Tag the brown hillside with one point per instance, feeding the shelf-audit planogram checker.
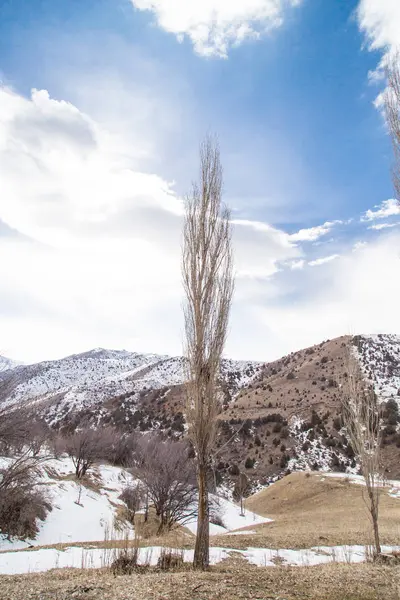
(314, 509)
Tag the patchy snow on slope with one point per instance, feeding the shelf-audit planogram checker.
(87, 514)
(229, 513)
(392, 486)
(379, 357)
(79, 514)
(311, 452)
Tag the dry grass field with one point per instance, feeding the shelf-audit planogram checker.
(229, 581)
(314, 510)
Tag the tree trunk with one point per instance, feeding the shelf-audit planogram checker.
(146, 510)
(374, 515)
(202, 551)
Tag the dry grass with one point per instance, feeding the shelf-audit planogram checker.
(316, 510)
(229, 581)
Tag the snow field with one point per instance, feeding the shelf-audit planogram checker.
(13, 563)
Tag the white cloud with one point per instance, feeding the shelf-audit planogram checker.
(214, 26)
(359, 294)
(359, 245)
(297, 264)
(387, 208)
(259, 247)
(313, 233)
(89, 245)
(90, 251)
(380, 226)
(323, 260)
(379, 20)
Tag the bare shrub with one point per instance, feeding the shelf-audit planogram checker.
(216, 517)
(126, 560)
(123, 450)
(133, 497)
(170, 559)
(169, 477)
(21, 502)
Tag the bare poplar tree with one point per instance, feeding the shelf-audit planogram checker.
(362, 420)
(392, 113)
(207, 267)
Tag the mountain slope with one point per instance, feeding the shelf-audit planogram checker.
(277, 416)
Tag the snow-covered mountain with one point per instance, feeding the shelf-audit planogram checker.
(88, 380)
(7, 363)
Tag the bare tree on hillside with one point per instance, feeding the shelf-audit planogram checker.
(168, 474)
(207, 267)
(87, 446)
(20, 430)
(362, 420)
(241, 491)
(392, 113)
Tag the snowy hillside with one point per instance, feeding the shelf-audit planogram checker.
(379, 356)
(85, 380)
(87, 514)
(79, 514)
(81, 371)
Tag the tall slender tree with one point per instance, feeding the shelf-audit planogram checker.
(207, 268)
(362, 420)
(392, 113)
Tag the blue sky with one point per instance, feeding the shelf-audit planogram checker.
(94, 163)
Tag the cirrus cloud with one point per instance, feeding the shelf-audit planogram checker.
(314, 233)
(323, 260)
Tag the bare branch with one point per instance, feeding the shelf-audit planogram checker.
(392, 113)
